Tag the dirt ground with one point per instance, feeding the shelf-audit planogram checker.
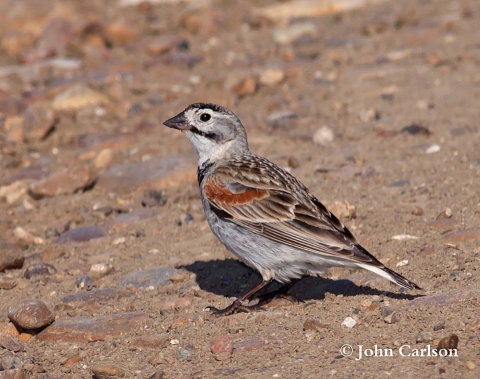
(395, 88)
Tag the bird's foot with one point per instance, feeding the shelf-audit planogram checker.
(235, 307)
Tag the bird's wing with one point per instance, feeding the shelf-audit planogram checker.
(267, 200)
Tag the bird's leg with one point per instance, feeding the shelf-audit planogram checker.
(237, 304)
(281, 292)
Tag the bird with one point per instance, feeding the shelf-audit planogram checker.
(262, 213)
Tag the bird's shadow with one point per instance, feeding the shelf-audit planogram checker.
(232, 278)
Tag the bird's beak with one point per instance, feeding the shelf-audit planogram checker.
(178, 122)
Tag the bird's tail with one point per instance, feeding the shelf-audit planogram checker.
(390, 275)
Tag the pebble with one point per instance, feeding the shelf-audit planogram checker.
(164, 43)
(341, 209)
(99, 270)
(186, 352)
(104, 295)
(180, 302)
(77, 97)
(471, 234)
(13, 192)
(39, 270)
(248, 344)
(433, 149)
(222, 347)
(120, 34)
(14, 374)
(106, 371)
(84, 282)
(37, 121)
(157, 173)
(349, 322)
(149, 279)
(417, 211)
(72, 360)
(8, 329)
(471, 366)
(153, 341)
(89, 329)
(103, 158)
(323, 136)
(271, 77)
(10, 361)
(246, 86)
(154, 198)
(63, 182)
(6, 284)
(369, 114)
(288, 34)
(415, 129)
(424, 337)
(444, 224)
(447, 213)
(81, 234)
(11, 257)
(403, 237)
(449, 342)
(11, 344)
(22, 234)
(31, 314)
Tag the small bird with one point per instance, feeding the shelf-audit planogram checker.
(262, 213)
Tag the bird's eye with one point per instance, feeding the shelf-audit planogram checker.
(204, 117)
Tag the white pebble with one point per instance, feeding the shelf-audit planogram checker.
(402, 237)
(174, 342)
(323, 136)
(349, 322)
(402, 263)
(433, 149)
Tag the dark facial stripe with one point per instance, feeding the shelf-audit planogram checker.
(212, 136)
(202, 170)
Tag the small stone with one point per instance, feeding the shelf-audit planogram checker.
(14, 129)
(31, 314)
(293, 162)
(153, 198)
(433, 149)
(10, 361)
(63, 182)
(180, 302)
(13, 42)
(104, 295)
(222, 347)
(13, 192)
(438, 327)
(471, 366)
(38, 121)
(150, 279)
(248, 344)
(404, 237)
(271, 77)
(288, 34)
(174, 341)
(472, 234)
(349, 322)
(415, 129)
(72, 360)
(246, 86)
(444, 224)
(369, 114)
(6, 284)
(154, 341)
(11, 344)
(312, 324)
(89, 329)
(22, 234)
(164, 172)
(448, 343)
(81, 234)
(24, 337)
(417, 211)
(77, 97)
(104, 158)
(164, 43)
(120, 34)
(106, 371)
(11, 257)
(39, 270)
(447, 213)
(323, 136)
(84, 282)
(186, 352)
(119, 241)
(402, 263)
(393, 317)
(99, 270)
(424, 337)
(341, 209)
(8, 329)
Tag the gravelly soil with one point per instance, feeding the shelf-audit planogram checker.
(366, 74)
